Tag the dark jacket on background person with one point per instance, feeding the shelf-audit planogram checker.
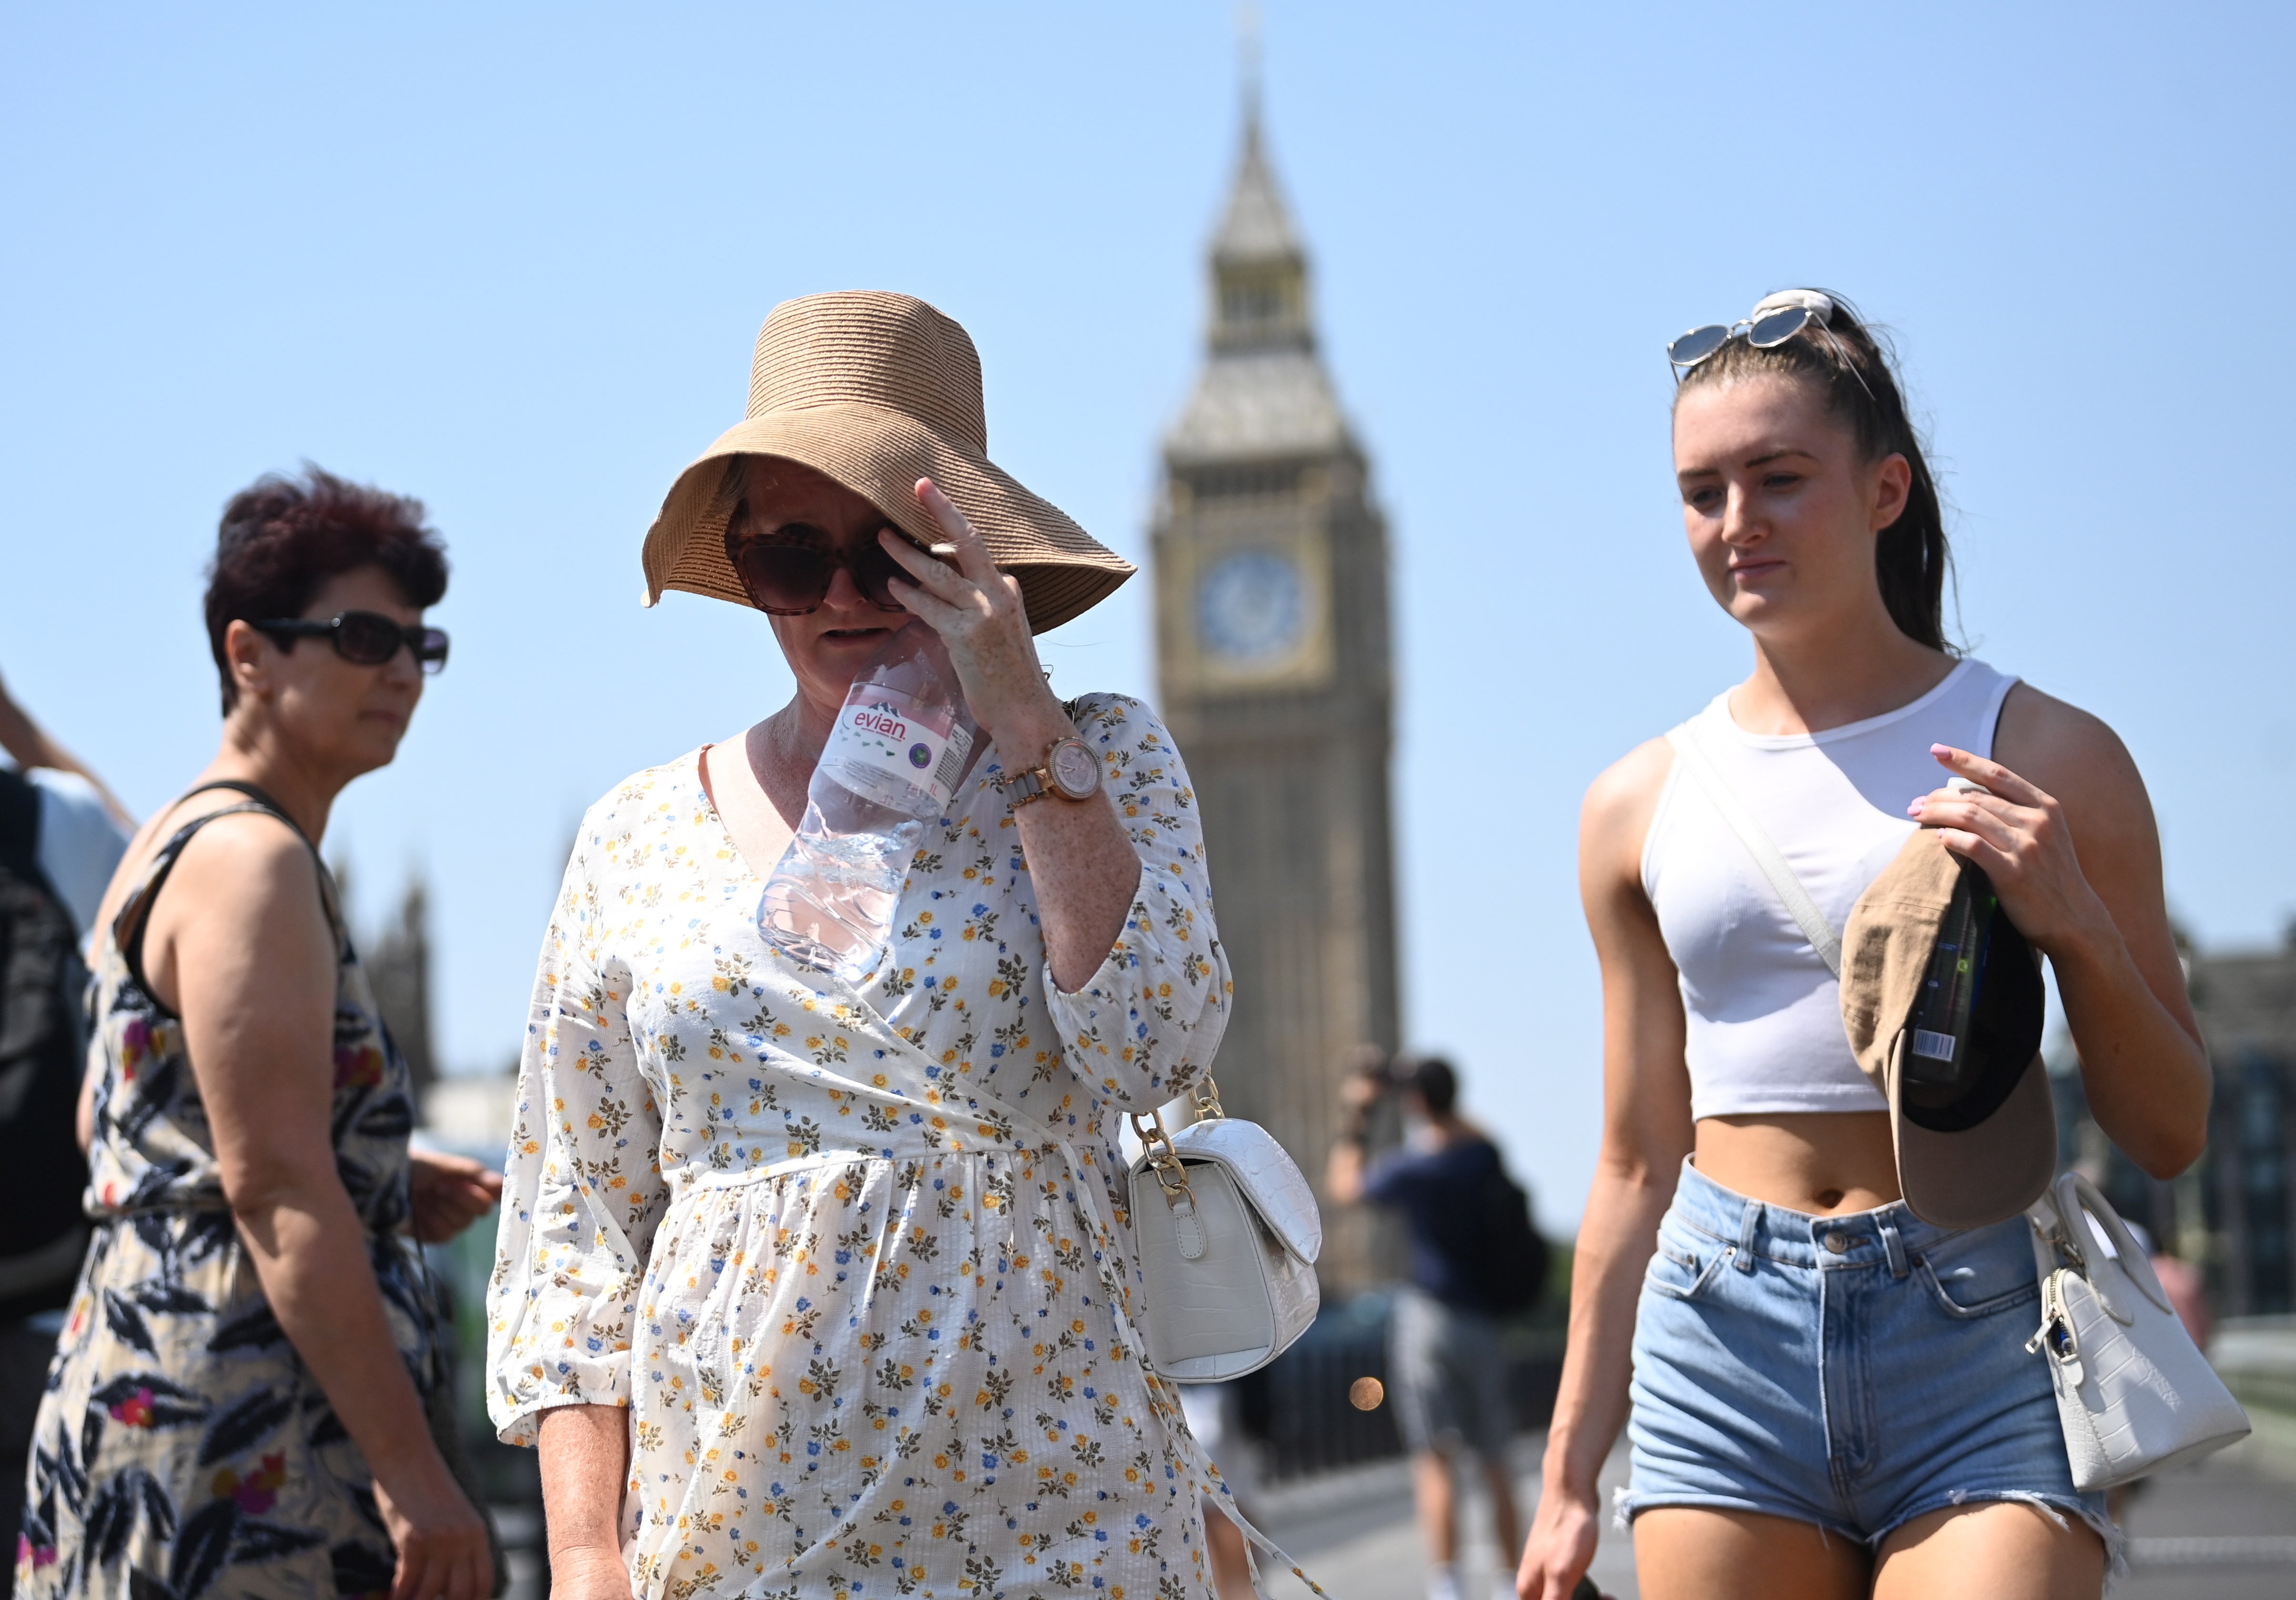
(1472, 1244)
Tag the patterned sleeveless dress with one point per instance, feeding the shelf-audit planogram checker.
(183, 1449)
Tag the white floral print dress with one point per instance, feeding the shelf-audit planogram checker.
(856, 1257)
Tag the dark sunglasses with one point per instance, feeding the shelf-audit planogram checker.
(788, 574)
(366, 638)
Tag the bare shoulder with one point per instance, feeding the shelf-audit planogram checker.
(247, 871)
(2075, 757)
(1616, 815)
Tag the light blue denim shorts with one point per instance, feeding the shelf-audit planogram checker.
(1855, 1372)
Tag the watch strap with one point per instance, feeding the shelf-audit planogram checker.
(1021, 787)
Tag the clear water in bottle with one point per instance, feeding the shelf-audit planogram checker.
(902, 743)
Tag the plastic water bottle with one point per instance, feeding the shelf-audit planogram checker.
(902, 743)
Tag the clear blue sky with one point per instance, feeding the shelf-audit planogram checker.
(511, 260)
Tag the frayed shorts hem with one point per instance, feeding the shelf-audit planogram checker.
(2056, 1507)
(1625, 1505)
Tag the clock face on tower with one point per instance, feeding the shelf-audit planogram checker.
(1252, 609)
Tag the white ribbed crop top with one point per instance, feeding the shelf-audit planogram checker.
(1764, 1013)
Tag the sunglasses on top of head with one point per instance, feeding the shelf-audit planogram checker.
(364, 639)
(787, 573)
(1772, 322)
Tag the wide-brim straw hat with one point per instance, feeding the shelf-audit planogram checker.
(876, 390)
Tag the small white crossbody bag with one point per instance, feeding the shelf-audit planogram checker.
(2135, 1395)
(1228, 1235)
(2134, 1392)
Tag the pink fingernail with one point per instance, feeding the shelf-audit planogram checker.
(1915, 808)
(1940, 750)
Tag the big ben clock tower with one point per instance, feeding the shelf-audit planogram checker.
(1273, 652)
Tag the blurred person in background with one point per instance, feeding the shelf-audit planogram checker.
(1475, 1258)
(1740, 1135)
(62, 834)
(40, 758)
(238, 1403)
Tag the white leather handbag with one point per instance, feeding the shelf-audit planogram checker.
(2134, 1392)
(1228, 1235)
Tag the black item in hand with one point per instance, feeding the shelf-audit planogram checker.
(1976, 1023)
(42, 1048)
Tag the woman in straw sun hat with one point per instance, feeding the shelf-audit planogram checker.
(1824, 1364)
(810, 1286)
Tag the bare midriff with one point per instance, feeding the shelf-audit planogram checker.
(1822, 1162)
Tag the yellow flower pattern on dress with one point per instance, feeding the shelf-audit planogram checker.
(857, 1258)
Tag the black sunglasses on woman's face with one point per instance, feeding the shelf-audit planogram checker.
(366, 638)
(787, 573)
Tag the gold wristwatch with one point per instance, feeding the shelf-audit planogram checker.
(1069, 770)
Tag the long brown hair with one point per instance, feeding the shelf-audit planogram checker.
(1855, 372)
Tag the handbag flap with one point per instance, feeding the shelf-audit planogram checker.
(1265, 1175)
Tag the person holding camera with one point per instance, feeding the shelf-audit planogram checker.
(1446, 1366)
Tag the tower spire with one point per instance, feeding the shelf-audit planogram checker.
(1247, 60)
(1272, 649)
(1263, 391)
(1259, 271)
(1254, 227)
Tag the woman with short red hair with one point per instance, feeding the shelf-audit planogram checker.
(238, 1401)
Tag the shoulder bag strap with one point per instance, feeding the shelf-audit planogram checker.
(19, 826)
(1702, 766)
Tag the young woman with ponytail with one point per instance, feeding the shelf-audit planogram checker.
(1826, 1396)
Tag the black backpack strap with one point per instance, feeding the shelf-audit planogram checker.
(138, 907)
(20, 825)
(42, 1052)
(20, 859)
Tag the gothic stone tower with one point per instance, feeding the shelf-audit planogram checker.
(1272, 650)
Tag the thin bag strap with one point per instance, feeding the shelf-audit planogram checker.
(1783, 879)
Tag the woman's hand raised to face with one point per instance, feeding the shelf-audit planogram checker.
(1080, 860)
(2018, 834)
(977, 611)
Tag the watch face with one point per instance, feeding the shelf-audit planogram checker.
(1252, 607)
(1074, 768)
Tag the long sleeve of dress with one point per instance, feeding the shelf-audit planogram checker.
(583, 1188)
(1146, 1024)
